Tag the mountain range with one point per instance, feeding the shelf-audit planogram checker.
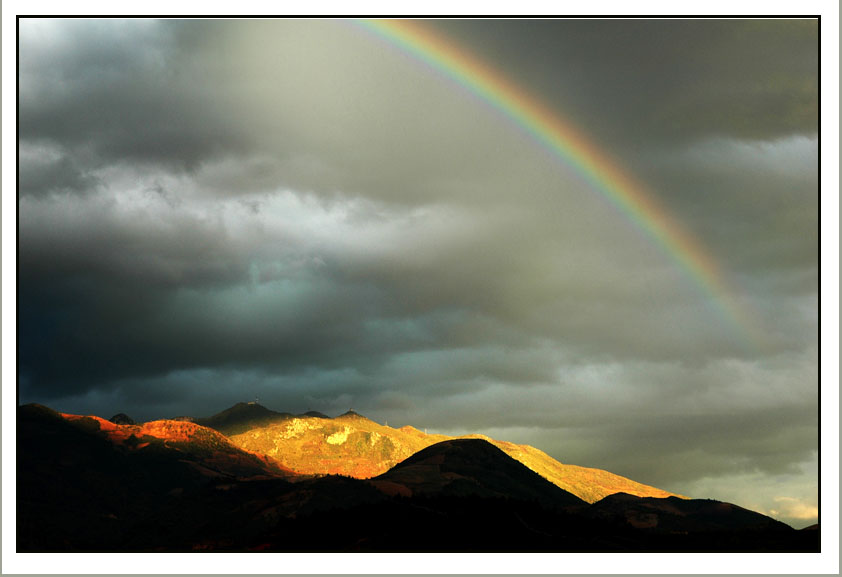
(353, 445)
(250, 478)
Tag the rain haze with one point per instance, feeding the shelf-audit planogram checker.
(330, 214)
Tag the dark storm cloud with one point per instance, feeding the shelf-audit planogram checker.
(673, 80)
(213, 211)
(121, 91)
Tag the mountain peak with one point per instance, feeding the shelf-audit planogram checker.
(122, 419)
(472, 467)
(246, 405)
(241, 417)
(351, 413)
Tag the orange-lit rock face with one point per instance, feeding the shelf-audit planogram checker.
(176, 430)
(214, 452)
(173, 431)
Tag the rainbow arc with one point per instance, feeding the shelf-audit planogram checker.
(567, 143)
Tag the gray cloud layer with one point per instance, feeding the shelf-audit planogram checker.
(211, 211)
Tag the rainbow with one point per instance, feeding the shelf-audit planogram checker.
(568, 144)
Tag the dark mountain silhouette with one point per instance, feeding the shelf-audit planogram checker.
(122, 419)
(696, 525)
(86, 484)
(241, 417)
(462, 467)
(244, 417)
(674, 514)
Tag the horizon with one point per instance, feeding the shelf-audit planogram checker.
(311, 214)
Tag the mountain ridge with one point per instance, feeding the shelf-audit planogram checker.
(351, 444)
(354, 445)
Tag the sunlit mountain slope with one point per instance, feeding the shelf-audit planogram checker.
(358, 447)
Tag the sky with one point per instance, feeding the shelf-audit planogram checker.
(322, 216)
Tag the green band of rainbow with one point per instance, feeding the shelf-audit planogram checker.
(569, 145)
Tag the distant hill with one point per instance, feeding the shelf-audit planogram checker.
(243, 417)
(122, 419)
(240, 418)
(358, 447)
(681, 515)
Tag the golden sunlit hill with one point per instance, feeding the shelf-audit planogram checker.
(359, 447)
(349, 445)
